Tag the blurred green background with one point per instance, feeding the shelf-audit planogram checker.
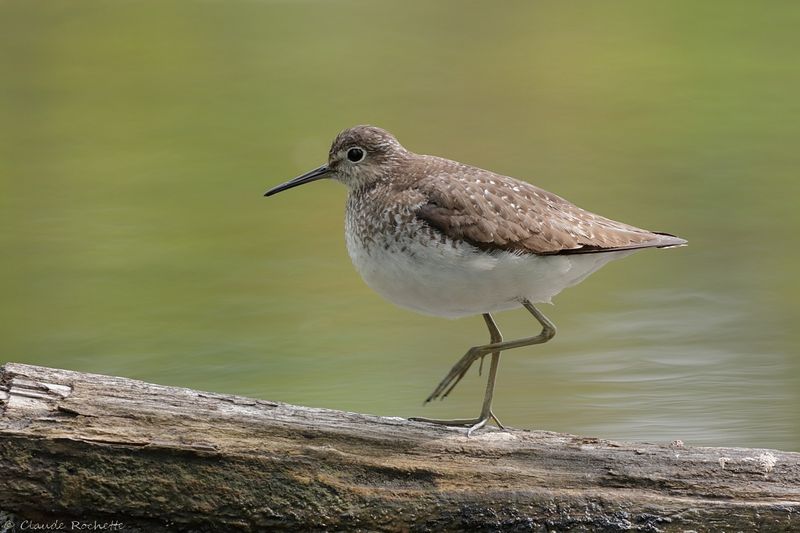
(137, 139)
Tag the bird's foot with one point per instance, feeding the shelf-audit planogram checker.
(458, 371)
(474, 424)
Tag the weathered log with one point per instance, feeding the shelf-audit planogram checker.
(105, 450)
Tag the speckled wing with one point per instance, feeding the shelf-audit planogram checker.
(494, 212)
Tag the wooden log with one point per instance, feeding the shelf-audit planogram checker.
(108, 450)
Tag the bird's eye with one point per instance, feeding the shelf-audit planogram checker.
(355, 154)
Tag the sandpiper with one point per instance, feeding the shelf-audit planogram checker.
(447, 239)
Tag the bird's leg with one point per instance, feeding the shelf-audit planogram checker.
(495, 347)
(460, 369)
(486, 409)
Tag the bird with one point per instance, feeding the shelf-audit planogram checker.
(448, 239)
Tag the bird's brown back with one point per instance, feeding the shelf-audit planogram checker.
(495, 212)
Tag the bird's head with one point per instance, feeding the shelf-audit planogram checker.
(359, 156)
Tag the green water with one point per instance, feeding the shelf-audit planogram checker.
(136, 140)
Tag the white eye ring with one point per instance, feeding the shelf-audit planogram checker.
(356, 154)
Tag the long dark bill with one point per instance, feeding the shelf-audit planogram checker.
(308, 177)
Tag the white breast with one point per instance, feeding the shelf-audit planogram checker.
(442, 279)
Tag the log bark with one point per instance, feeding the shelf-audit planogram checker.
(108, 450)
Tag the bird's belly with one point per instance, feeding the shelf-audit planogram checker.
(456, 279)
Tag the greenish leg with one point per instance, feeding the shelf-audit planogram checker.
(479, 352)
